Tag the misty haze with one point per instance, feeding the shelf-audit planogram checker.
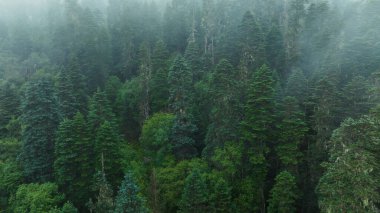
(189, 106)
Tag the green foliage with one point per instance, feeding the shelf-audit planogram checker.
(36, 198)
(224, 114)
(40, 121)
(159, 91)
(128, 199)
(194, 196)
(74, 164)
(221, 197)
(297, 85)
(107, 153)
(284, 194)
(292, 130)
(180, 99)
(258, 129)
(9, 105)
(100, 111)
(155, 136)
(252, 43)
(104, 199)
(171, 181)
(350, 183)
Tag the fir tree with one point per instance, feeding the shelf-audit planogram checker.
(104, 199)
(180, 100)
(296, 85)
(128, 199)
(160, 94)
(224, 114)
(258, 128)
(292, 129)
(100, 111)
(252, 43)
(284, 194)
(194, 196)
(67, 101)
(9, 105)
(107, 153)
(40, 121)
(73, 164)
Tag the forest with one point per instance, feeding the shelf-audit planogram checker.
(189, 106)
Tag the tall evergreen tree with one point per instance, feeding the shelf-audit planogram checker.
(67, 101)
(284, 194)
(296, 85)
(107, 154)
(73, 164)
(40, 120)
(159, 94)
(9, 105)
(252, 43)
(258, 128)
(194, 196)
(224, 114)
(292, 130)
(180, 99)
(100, 111)
(128, 199)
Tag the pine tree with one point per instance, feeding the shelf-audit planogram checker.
(40, 121)
(67, 101)
(100, 111)
(192, 57)
(252, 43)
(9, 105)
(159, 90)
(194, 196)
(224, 114)
(180, 100)
(283, 194)
(292, 130)
(296, 85)
(258, 128)
(73, 164)
(104, 199)
(275, 50)
(108, 159)
(128, 199)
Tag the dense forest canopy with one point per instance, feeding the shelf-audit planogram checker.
(189, 106)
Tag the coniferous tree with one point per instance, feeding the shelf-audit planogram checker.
(104, 199)
(194, 196)
(99, 111)
(9, 105)
(74, 161)
(292, 130)
(159, 94)
(224, 114)
(180, 100)
(68, 105)
(40, 120)
(284, 194)
(252, 43)
(258, 128)
(107, 155)
(128, 199)
(296, 85)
